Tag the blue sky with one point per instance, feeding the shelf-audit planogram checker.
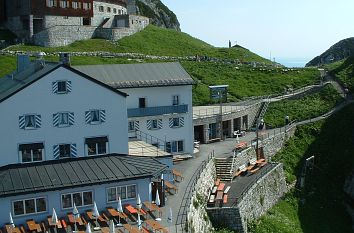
(300, 29)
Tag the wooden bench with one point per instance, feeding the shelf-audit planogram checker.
(263, 164)
(241, 170)
(221, 187)
(22, 229)
(224, 200)
(260, 161)
(254, 170)
(227, 189)
(63, 223)
(177, 174)
(170, 187)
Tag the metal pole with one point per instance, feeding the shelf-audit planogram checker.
(221, 129)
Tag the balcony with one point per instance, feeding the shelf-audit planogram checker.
(155, 111)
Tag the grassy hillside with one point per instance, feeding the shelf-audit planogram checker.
(304, 108)
(344, 72)
(319, 207)
(154, 41)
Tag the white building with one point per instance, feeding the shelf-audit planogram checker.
(55, 112)
(159, 101)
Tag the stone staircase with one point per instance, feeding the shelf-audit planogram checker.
(223, 167)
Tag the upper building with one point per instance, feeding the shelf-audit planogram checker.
(53, 111)
(35, 20)
(159, 101)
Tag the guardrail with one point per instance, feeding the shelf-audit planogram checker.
(151, 139)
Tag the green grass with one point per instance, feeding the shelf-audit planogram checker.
(8, 65)
(344, 72)
(304, 108)
(154, 41)
(245, 81)
(331, 142)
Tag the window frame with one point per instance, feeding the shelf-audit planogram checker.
(141, 103)
(175, 100)
(66, 87)
(72, 199)
(92, 122)
(170, 145)
(24, 206)
(32, 161)
(65, 144)
(174, 120)
(152, 124)
(118, 193)
(34, 119)
(68, 121)
(96, 148)
(131, 129)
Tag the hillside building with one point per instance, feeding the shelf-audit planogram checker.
(65, 138)
(53, 22)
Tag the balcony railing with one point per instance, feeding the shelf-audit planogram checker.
(155, 111)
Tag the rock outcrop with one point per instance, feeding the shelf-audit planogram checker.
(337, 52)
(158, 13)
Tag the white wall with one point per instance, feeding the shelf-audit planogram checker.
(38, 98)
(162, 96)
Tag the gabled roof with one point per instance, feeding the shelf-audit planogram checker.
(10, 85)
(139, 75)
(19, 179)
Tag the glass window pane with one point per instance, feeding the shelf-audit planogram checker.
(64, 151)
(29, 206)
(29, 121)
(174, 146)
(66, 200)
(62, 84)
(63, 118)
(26, 156)
(111, 194)
(41, 205)
(123, 192)
(91, 149)
(168, 147)
(95, 116)
(37, 154)
(180, 146)
(101, 148)
(18, 208)
(77, 199)
(131, 191)
(154, 124)
(88, 199)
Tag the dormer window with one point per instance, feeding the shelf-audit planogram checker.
(61, 87)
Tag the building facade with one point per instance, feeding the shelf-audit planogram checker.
(159, 101)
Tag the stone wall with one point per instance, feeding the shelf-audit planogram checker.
(198, 220)
(244, 157)
(52, 20)
(99, 16)
(265, 193)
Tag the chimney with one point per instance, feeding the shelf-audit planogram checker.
(64, 58)
(23, 62)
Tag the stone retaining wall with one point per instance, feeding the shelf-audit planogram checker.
(265, 193)
(198, 220)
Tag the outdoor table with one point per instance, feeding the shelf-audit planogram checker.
(156, 226)
(219, 195)
(33, 226)
(133, 210)
(114, 213)
(90, 215)
(10, 229)
(131, 228)
(152, 207)
(72, 220)
(58, 224)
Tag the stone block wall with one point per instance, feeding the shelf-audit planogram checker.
(265, 193)
(99, 16)
(52, 20)
(198, 220)
(244, 157)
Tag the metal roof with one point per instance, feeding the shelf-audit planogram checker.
(19, 179)
(139, 75)
(13, 83)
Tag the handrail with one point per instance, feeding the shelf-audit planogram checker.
(151, 139)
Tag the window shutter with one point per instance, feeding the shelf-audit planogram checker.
(71, 118)
(136, 125)
(149, 124)
(73, 150)
(68, 86)
(159, 123)
(102, 115)
(56, 151)
(21, 122)
(171, 122)
(55, 87)
(56, 119)
(38, 121)
(181, 121)
(88, 117)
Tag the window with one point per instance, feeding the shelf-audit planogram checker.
(124, 192)
(95, 116)
(29, 206)
(114, 10)
(96, 146)
(176, 122)
(100, 9)
(87, 6)
(31, 152)
(51, 3)
(61, 87)
(76, 5)
(64, 4)
(63, 119)
(131, 126)
(154, 124)
(64, 151)
(175, 100)
(79, 198)
(119, 12)
(142, 102)
(108, 9)
(175, 146)
(30, 121)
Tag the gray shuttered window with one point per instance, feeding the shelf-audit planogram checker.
(95, 116)
(61, 87)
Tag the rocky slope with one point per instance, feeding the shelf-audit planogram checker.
(337, 52)
(158, 13)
